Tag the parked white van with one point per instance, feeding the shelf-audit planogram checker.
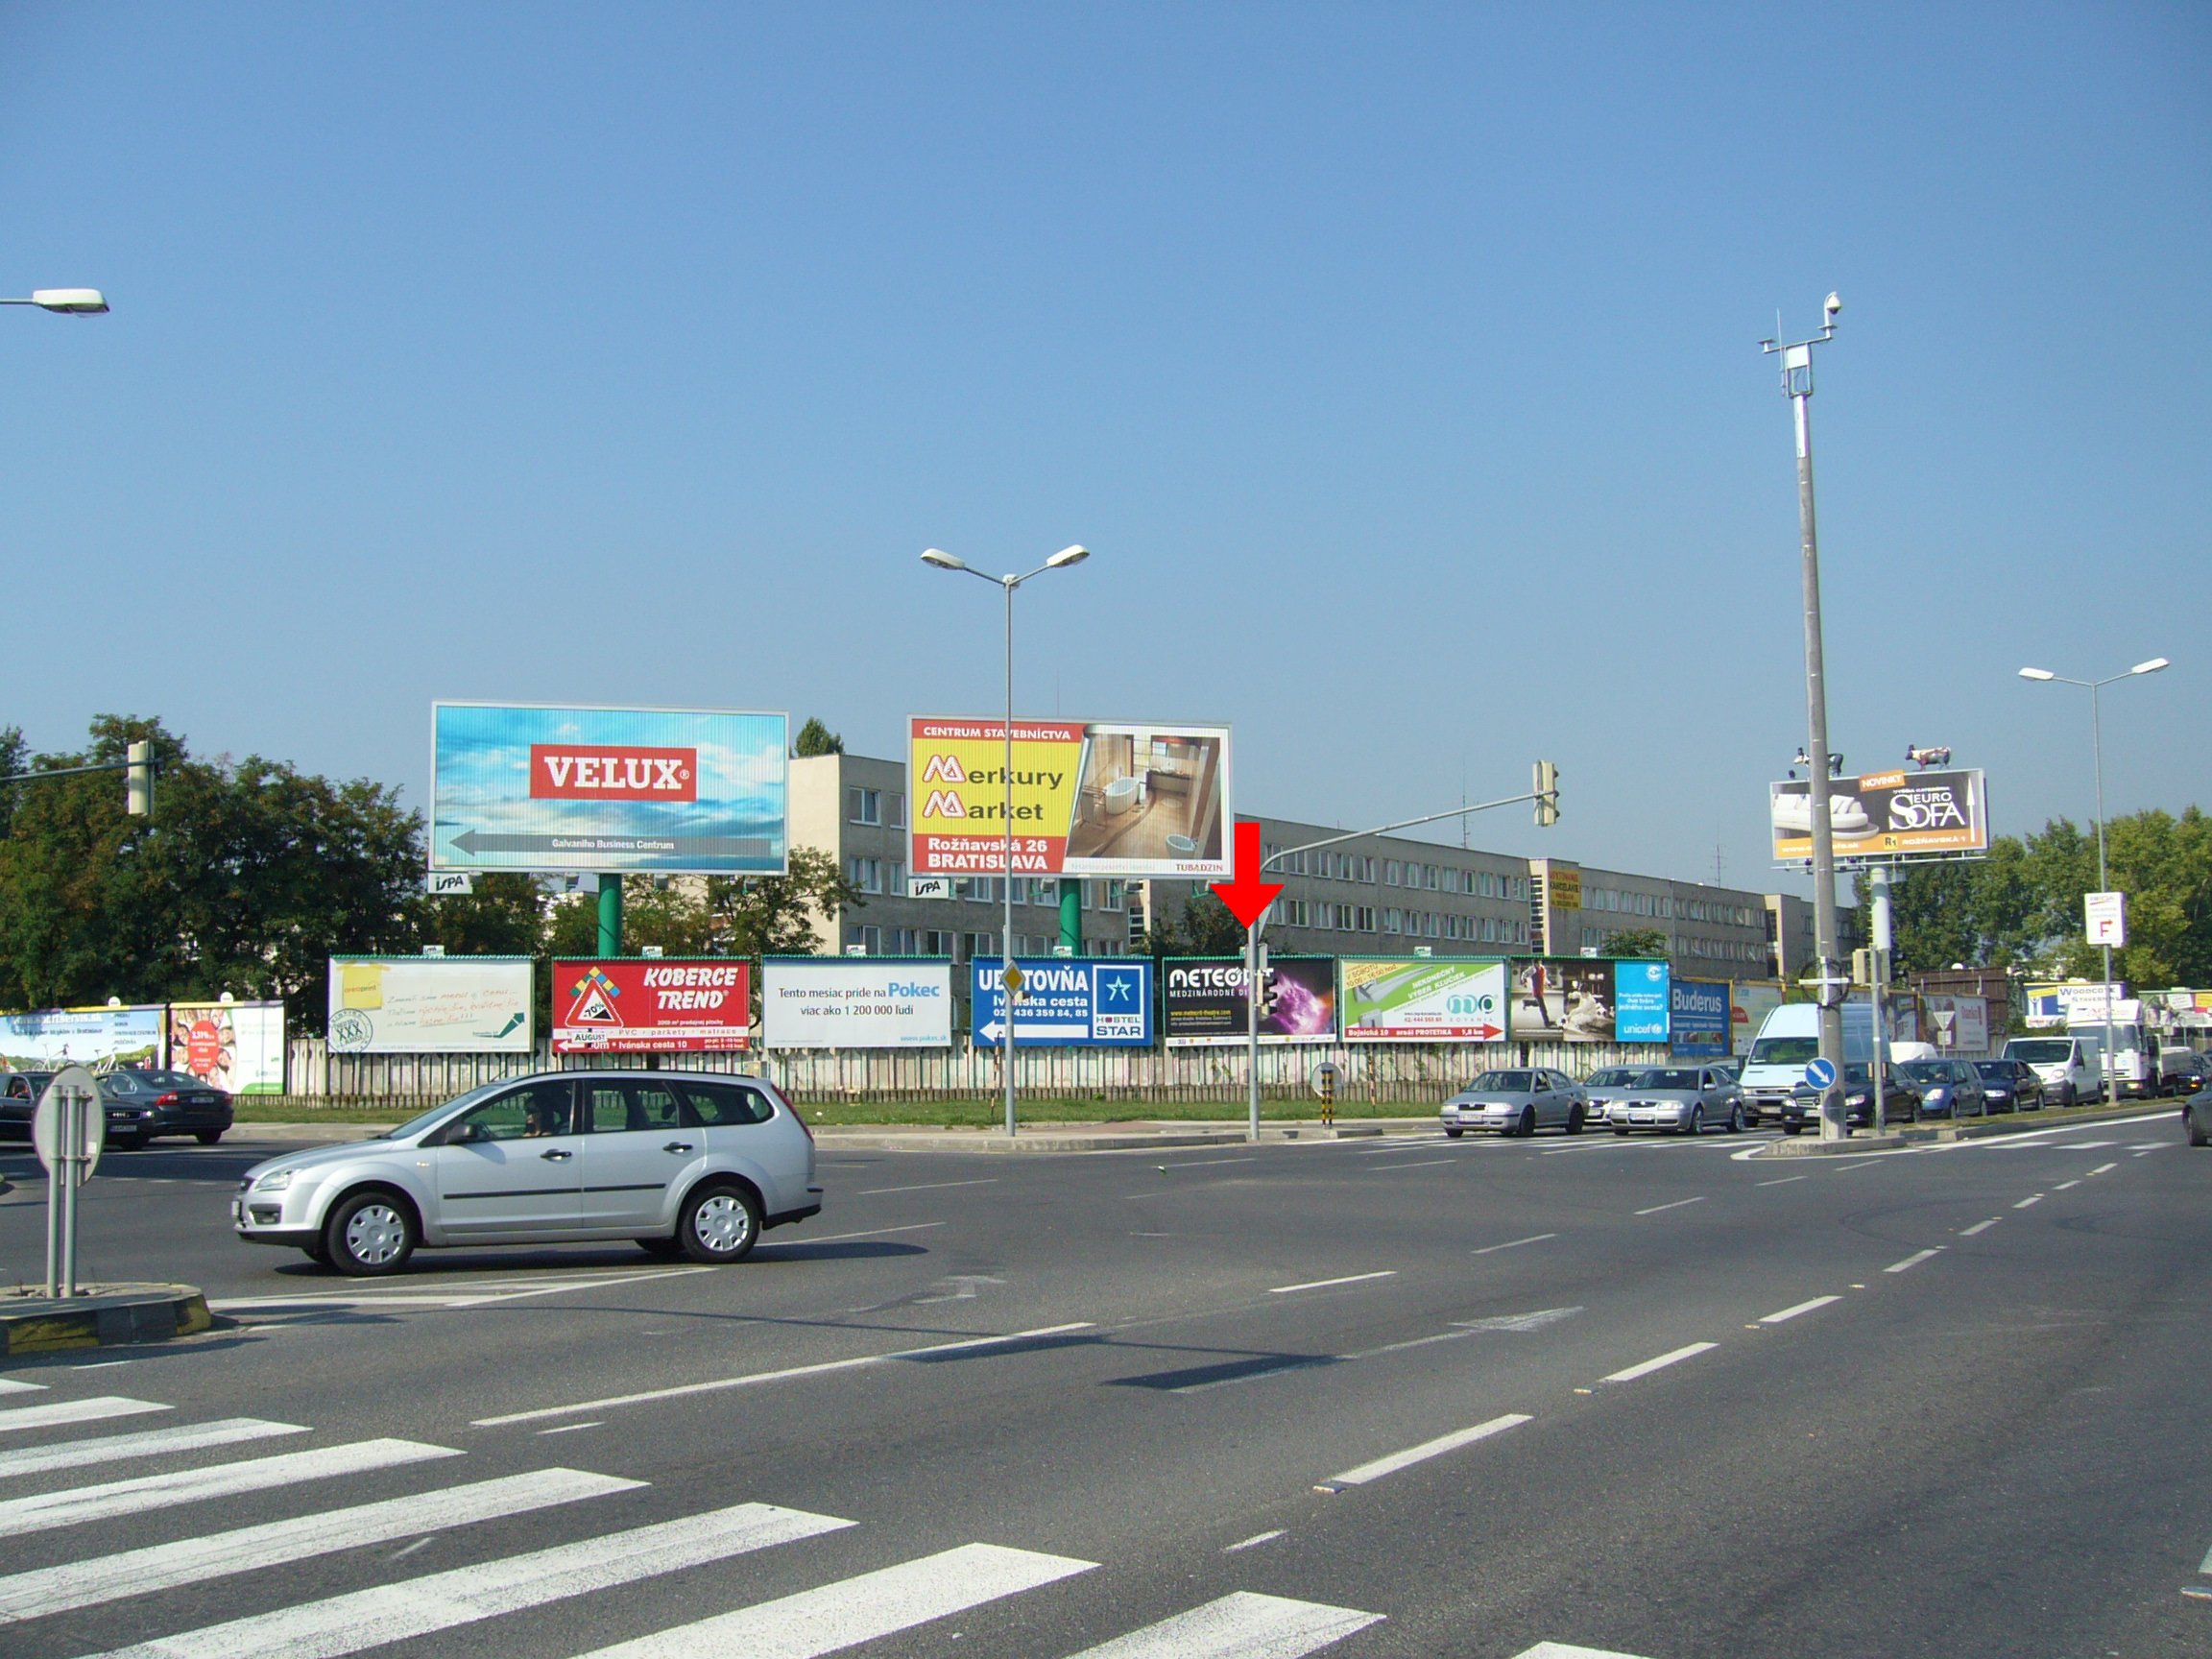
(2068, 1065)
(1786, 1041)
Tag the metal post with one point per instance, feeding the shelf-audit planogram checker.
(72, 1156)
(1878, 884)
(2110, 1071)
(54, 1228)
(1006, 940)
(610, 915)
(1252, 1023)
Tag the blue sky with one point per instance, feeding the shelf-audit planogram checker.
(1398, 364)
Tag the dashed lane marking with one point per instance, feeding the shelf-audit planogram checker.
(1421, 1453)
(1979, 1227)
(2064, 1185)
(1515, 1243)
(1783, 1180)
(1676, 1205)
(926, 1187)
(2102, 1169)
(1633, 1372)
(1801, 1308)
(2033, 1198)
(1913, 1260)
(1325, 1284)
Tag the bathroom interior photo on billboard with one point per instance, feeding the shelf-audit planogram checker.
(1148, 793)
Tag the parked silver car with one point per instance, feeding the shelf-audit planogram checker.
(1518, 1102)
(685, 1164)
(1684, 1099)
(1608, 1084)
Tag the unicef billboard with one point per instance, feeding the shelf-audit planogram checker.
(671, 791)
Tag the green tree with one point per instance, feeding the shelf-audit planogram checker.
(504, 915)
(775, 915)
(1637, 942)
(1205, 929)
(816, 738)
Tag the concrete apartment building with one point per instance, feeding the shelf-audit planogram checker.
(1789, 952)
(1714, 932)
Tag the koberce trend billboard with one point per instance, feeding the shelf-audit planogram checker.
(672, 791)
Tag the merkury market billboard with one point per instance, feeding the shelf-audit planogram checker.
(1898, 815)
(667, 790)
(1097, 798)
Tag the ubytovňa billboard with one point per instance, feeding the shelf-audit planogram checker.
(1097, 798)
(1064, 1001)
(1206, 1001)
(1899, 815)
(652, 1005)
(1697, 1017)
(665, 790)
(236, 1047)
(1421, 999)
(431, 1005)
(853, 1002)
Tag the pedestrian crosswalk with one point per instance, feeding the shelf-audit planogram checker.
(187, 1472)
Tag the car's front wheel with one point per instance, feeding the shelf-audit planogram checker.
(1575, 1120)
(1792, 1128)
(1696, 1123)
(370, 1234)
(207, 1137)
(1454, 1131)
(720, 1224)
(1734, 1119)
(1528, 1125)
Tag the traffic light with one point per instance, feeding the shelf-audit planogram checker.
(1547, 794)
(138, 779)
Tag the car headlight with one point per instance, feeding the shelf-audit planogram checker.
(275, 1181)
(1857, 1099)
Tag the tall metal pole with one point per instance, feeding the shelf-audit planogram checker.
(2110, 1071)
(1878, 889)
(1797, 387)
(1006, 938)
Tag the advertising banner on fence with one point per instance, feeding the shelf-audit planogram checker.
(52, 1038)
(808, 1002)
(1427, 1000)
(653, 1005)
(1697, 1017)
(431, 1005)
(1641, 1004)
(666, 790)
(1959, 1024)
(1749, 1002)
(1206, 1002)
(238, 1047)
(1567, 999)
(1098, 797)
(1065, 1002)
(1898, 815)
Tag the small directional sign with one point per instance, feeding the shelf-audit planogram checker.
(1820, 1074)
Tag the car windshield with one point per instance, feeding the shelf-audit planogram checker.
(1614, 1078)
(1668, 1077)
(1925, 1072)
(1995, 1070)
(1784, 1051)
(1501, 1083)
(416, 1125)
(2039, 1050)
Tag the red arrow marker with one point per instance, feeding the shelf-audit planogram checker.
(1247, 896)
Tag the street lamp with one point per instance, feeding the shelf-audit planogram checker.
(65, 301)
(1060, 561)
(2103, 883)
(1831, 981)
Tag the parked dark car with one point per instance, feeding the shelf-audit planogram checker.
(1944, 1088)
(1899, 1104)
(2197, 1118)
(18, 1100)
(144, 1105)
(2011, 1086)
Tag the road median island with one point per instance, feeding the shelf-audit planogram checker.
(99, 1316)
(1858, 1144)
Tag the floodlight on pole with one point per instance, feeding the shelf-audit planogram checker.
(64, 301)
(2037, 674)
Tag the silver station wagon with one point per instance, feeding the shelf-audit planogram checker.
(688, 1164)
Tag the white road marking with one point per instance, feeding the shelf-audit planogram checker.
(1979, 1227)
(46, 1510)
(454, 1296)
(1676, 1205)
(1242, 1625)
(441, 1601)
(1421, 1452)
(88, 1411)
(1801, 1308)
(1863, 1164)
(926, 1187)
(840, 1237)
(141, 1572)
(1424, 1163)
(2147, 1151)
(1783, 1181)
(1325, 1284)
(1664, 1360)
(858, 1609)
(753, 1379)
(572, 1427)
(1567, 1650)
(2064, 1185)
(1536, 1321)
(2102, 1167)
(2036, 1198)
(2206, 1566)
(1516, 1243)
(9, 1386)
(1258, 1538)
(2086, 1145)
(1912, 1261)
(2149, 1145)
(1207, 1162)
(151, 1443)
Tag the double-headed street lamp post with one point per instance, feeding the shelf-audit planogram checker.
(2103, 883)
(1059, 561)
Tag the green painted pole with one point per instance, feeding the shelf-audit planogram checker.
(610, 915)
(1072, 914)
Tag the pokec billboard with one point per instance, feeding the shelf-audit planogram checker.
(810, 1002)
(1206, 1001)
(1886, 815)
(652, 1005)
(1099, 798)
(1421, 999)
(681, 791)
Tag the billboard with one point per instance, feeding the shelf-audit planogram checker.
(2072, 1002)
(1097, 798)
(1569, 999)
(1898, 815)
(1422, 999)
(812, 1002)
(1641, 1004)
(1749, 1002)
(652, 1005)
(1065, 1002)
(1206, 1001)
(666, 790)
(1697, 1017)
(1959, 1024)
(430, 1005)
(238, 1047)
(101, 1038)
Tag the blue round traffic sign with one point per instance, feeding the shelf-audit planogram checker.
(1820, 1074)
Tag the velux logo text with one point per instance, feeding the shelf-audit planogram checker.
(611, 772)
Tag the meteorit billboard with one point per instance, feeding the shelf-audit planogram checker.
(1886, 815)
(1206, 1001)
(1090, 797)
(668, 790)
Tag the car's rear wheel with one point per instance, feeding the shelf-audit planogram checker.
(721, 1224)
(368, 1234)
(207, 1137)
(1528, 1125)
(1619, 1128)
(1575, 1120)
(2197, 1135)
(1734, 1119)
(1454, 1131)
(1792, 1128)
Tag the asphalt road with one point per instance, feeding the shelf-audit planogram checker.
(1414, 1397)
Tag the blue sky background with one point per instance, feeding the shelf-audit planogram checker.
(1398, 364)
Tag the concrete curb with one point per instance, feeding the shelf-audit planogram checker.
(105, 1316)
(1934, 1134)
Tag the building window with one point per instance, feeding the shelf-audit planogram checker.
(869, 940)
(1391, 873)
(865, 874)
(864, 806)
(895, 809)
(937, 942)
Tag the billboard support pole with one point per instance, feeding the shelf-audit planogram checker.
(1877, 979)
(1072, 914)
(610, 915)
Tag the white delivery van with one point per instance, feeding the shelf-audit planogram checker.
(2133, 1062)
(1788, 1039)
(2067, 1065)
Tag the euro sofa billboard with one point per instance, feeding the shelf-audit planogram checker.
(1206, 1001)
(1098, 797)
(430, 1005)
(808, 1003)
(671, 791)
(652, 1005)
(1424, 999)
(1886, 815)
